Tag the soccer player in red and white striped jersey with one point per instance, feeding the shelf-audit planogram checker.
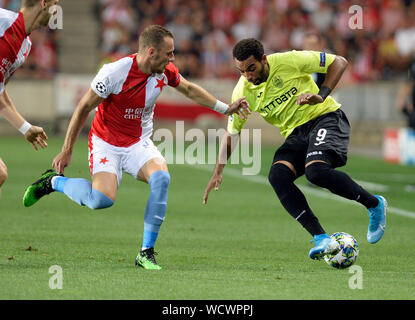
(15, 45)
(124, 94)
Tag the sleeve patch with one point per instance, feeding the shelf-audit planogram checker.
(322, 59)
(176, 82)
(101, 88)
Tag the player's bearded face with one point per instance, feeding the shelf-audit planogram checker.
(262, 74)
(163, 56)
(253, 70)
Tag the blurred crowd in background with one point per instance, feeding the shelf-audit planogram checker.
(206, 30)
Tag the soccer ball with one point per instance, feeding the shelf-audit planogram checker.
(349, 250)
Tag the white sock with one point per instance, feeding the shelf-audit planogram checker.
(53, 181)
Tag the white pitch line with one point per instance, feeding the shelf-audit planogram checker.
(373, 186)
(397, 177)
(308, 190)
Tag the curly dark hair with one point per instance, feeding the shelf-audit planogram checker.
(248, 47)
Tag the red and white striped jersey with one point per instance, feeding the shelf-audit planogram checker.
(126, 115)
(15, 44)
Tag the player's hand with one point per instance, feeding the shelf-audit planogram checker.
(214, 182)
(36, 136)
(309, 98)
(61, 161)
(240, 107)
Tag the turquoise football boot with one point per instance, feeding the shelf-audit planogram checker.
(377, 221)
(324, 244)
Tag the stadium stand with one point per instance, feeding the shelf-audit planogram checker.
(205, 31)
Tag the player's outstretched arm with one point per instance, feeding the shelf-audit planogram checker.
(334, 73)
(204, 98)
(88, 102)
(35, 135)
(402, 95)
(226, 148)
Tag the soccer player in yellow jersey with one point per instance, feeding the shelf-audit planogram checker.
(279, 87)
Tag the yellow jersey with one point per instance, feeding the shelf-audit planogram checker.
(275, 99)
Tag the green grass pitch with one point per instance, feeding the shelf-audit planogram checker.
(242, 245)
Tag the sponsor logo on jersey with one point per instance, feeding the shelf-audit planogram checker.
(279, 100)
(133, 113)
(5, 66)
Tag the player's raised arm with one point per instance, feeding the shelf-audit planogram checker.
(204, 98)
(88, 102)
(402, 95)
(35, 135)
(334, 73)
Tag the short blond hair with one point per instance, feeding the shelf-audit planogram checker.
(153, 36)
(29, 3)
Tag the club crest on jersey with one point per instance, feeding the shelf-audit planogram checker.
(104, 160)
(277, 81)
(160, 84)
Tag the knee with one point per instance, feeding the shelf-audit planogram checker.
(273, 176)
(99, 200)
(165, 179)
(160, 179)
(279, 176)
(97, 205)
(317, 173)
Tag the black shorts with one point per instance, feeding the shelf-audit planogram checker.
(324, 138)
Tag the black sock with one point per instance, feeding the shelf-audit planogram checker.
(292, 199)
(338, 182)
